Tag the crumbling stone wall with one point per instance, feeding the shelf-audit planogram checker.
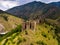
(23, 25)
(31, 24)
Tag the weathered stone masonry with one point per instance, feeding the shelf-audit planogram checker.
(28, 25)
(31, 24)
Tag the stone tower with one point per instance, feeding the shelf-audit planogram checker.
(29, 25)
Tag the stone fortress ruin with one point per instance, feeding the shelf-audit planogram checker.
(31, 24)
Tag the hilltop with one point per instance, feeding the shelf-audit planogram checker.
(8, 21)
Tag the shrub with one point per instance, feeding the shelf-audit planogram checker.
(31, 44)
(45, 26)
(14, 35)
(51, 29)
(5, 42)
(58, 43)
(24, 40)
(5, 17)
(48, 38)
(43, 34)
(26, 32)
(48, 31)
(19, 41)
(18, 28)
(40, 43)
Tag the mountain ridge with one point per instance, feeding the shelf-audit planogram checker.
(57, 4)
(33, 8)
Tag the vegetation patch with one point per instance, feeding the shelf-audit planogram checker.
(44, 35)
(40, 43)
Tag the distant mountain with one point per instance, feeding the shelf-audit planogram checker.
(55, 4)
(34, 10)
(8, 21)
(28, 10)
(1, 11)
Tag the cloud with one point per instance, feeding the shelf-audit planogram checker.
(48, 1)
(4, 5)
(7, 0)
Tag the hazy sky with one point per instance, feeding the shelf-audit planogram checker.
(6, 4)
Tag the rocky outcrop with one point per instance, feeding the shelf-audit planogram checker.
(2, 29)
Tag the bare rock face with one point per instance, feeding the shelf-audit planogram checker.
(2, 28)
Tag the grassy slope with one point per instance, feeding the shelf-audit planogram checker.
(43, 35)
(9, 21)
